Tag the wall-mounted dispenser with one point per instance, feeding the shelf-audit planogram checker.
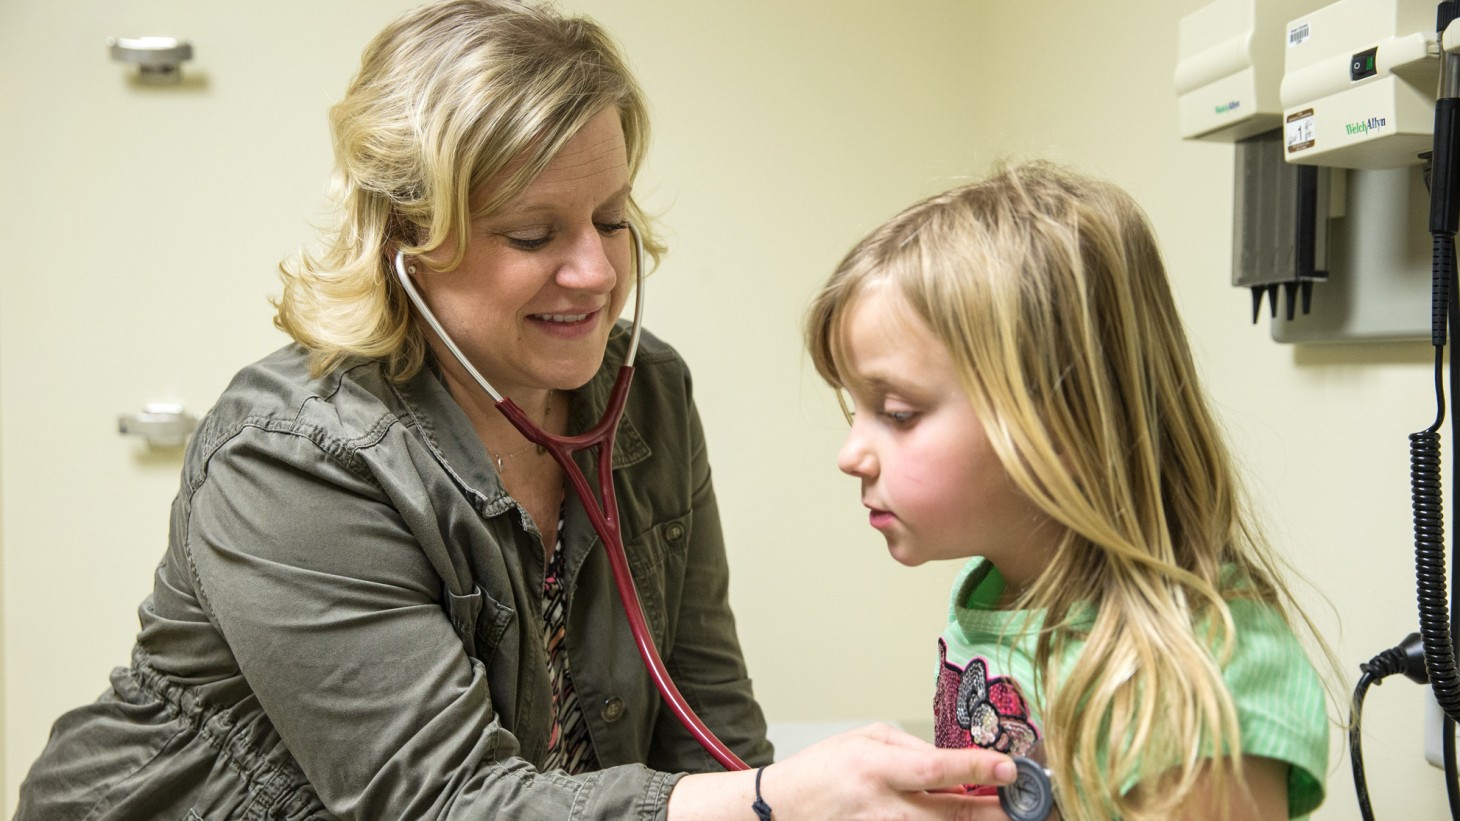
(1280, 223)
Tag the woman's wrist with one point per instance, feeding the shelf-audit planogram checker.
(714, 797)
(761, 809)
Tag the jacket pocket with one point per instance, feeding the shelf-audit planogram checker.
(478, 619)
(656, 558)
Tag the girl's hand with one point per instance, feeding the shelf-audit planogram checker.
(875, 772)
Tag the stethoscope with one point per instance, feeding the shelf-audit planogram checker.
(1029, 798)
(604, 517)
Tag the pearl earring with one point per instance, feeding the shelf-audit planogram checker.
(411, 269)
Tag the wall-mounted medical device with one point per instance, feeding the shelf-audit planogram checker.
(1229, 67)
(1320, 224)
(1358, 87)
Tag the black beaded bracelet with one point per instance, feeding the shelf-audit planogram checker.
(762, 809)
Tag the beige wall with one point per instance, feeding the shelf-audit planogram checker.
(786, 130)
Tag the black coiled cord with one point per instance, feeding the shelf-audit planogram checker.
(1426, 488)
(1429, 562)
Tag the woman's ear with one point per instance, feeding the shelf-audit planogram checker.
(403, 264)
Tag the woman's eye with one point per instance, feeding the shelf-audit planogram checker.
(528, 242)
(612, 227)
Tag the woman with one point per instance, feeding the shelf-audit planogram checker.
(378, 601)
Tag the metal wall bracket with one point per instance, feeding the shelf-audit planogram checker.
(160, 425)
(159, 59)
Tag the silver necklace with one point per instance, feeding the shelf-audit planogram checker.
(500, 461)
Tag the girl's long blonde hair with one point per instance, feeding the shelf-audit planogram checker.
(447, 97)
(1049, 291)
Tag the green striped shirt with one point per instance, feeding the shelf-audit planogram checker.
(1281, 708)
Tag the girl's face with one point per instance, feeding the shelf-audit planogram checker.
(544, 278)
(931, 479)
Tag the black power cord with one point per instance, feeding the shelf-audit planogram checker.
(1407, 658)
(1437, 616)
(1444, 222)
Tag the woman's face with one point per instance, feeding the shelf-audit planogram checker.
(544, 278)
(930, 478)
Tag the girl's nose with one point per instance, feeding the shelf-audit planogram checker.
(856, 458)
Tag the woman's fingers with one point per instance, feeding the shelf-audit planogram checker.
(961, 807)
(912, 770)
(918, 765)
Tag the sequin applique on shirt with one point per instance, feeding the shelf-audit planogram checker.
(973, 710)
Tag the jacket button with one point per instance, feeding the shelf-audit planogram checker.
(613, 709)
(674, 532)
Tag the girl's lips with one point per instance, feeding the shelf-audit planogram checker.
(880, 519)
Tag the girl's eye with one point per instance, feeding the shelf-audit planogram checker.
(899, 418)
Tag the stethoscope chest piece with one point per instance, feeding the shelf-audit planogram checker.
(1031, 796)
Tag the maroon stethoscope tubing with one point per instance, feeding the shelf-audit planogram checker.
(604, 516)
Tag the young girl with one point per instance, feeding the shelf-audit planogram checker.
(1022, 395)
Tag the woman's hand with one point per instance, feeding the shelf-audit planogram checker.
(871, 773)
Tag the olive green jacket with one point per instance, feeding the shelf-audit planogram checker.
(347, 623)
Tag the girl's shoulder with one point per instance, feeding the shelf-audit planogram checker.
(1282, 708)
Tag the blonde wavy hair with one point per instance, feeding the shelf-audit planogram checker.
(447, 97)
(1049, 292)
